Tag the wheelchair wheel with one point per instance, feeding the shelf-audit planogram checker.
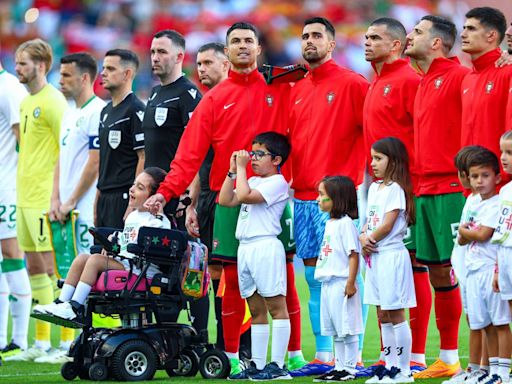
(98, 372)
(214, 364)
(134, 360)
(188, 365)
(69, 371)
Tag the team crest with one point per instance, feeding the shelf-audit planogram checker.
(387, 89)
(114, 138)
(330, 97)
(270, 100)
(80, 121)
(438, 82)
(37, 112)
(160, 116)
(489, 86)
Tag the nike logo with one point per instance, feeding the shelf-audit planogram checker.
(298, 101)
(229, 105)
(465, 91)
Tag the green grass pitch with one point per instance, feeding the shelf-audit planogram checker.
(47, 373)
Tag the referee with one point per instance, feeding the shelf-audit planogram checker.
(121, 138)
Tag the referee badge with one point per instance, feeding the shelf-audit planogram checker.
(37, 112)
(160, 116)
(114, 138)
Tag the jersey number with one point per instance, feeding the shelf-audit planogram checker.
(12, 214)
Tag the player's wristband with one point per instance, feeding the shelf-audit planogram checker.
(231, 175)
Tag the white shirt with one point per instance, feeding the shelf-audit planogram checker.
(482, 255)
(78, 135)
(381, 201)
(340, 240)
(263, 219)
(12, 92)
(503, 231)
(468, 212)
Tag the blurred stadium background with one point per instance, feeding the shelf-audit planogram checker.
(96, 26)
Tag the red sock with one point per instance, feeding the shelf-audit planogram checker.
(293, 304)
(233, 310)
(448, 306)
(420, 315)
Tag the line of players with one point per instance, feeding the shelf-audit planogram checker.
(331, 102)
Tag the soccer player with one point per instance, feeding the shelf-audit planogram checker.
(121, 138)
(327, 103)
(14, 277)
(486, 89)
(212, 68)
(508, 33)
(77, 169)
(40, 121)
(242, 100)
(439, 203)
(388, 111)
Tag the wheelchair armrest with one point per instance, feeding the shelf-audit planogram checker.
(101, 236)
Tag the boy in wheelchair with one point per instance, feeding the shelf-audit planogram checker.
(85, 269)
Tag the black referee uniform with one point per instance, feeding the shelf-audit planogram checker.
(121, 136)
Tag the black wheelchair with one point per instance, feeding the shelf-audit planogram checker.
(147, 340)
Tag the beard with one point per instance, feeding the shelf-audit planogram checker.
(313, 56)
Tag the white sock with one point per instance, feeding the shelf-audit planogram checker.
(81, 292)
(493, 364)
(21, 305)
(259, 344)
(418, 358)
(504, 369)
(280, 337)
(323, 356)
(382, 356)
(389, 343)
(42, 344)
(339, 353)
(65, 345)
(66, 293)
(473, 367)
(4, 310)
(485, 368)
(449, 356)
(232, 355)
(292, 354)
(351, 352)
(403, 339)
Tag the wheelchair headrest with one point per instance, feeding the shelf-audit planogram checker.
(163, 244)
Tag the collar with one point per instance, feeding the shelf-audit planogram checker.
(245, 78)
(441, 65)
(388, 68)
(323, 71)
(486, 60)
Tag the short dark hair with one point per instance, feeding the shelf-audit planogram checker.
(158, 175)
(461, 158)
(276, 143)
(490, 18)
(216, 47)
(176, 37)
(443, 29)
(342, 192)
(326, 23)
(83, 61)
(484, 158)
(126, 56)
(395, 28)
(242, 25)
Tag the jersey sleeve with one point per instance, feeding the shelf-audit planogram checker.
(188, 103)
(349, 237)
(274, 190)
(137, 131)
(92, 129)
(194, 145)
(359, 91)
(10, 104)
(57, 107)
(396, 198)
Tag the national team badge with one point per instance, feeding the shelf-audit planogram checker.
(37, 112)
(114, 138)
(330, 97)
(438, 82)
(270, 100)
(387, 89)
(489, 86)
(160, 116)
(80, 121)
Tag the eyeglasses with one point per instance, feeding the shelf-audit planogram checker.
(258, 155)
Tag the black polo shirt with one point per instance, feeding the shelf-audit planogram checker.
(120, 136)
(167, 113)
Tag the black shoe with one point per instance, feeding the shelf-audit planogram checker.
(334, 375)
(246, 374)
(272, 372)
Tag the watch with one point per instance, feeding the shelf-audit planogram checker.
(232, 175)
